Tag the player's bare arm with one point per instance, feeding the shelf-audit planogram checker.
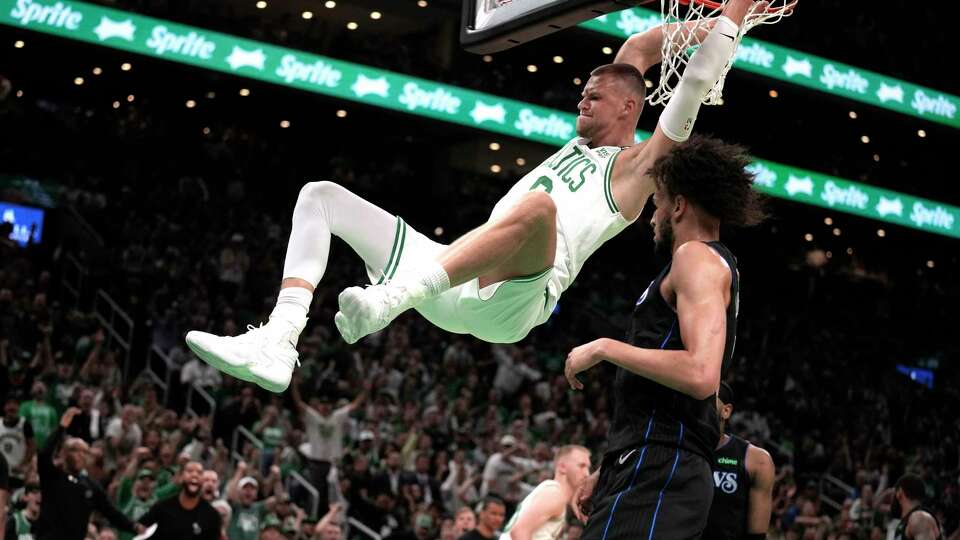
(699, 287)
(631, 184)
(548, 505)
(762, 476)
(922, 526)
(644, 50)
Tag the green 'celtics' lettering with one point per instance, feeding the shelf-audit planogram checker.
(572, 168)
(590, 167)
(544, 181)
(726, 461)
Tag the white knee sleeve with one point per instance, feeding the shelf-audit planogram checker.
(324, 209)
(701, 74)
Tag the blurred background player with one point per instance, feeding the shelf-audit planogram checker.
(541, 515)
(916, 522)
(743, 478)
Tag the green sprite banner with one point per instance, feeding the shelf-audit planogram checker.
(287, 67)
(854, 198)
(809, 70)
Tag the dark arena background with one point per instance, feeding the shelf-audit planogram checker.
(151, 152)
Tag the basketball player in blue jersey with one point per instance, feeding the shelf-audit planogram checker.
(505, 277)
(655, 479)
(743, 476)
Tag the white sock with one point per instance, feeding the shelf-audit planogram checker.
(428, 281)
(293, 304)
(435, 279)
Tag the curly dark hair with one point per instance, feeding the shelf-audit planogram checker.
(712, 174)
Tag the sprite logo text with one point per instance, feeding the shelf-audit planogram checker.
(319, 73)
(57, 15)
(935, 217)
(193, 44)
(438, 100)
(851, 196)
(847, 80)
(551, 126)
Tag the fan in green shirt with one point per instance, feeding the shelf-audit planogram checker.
(136, 502)
(20, 524)
(249, 515)
(41, 415)
(272, 428)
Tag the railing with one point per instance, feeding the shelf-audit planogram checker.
(169, 367)
(249, 436)
(367, 531)
(110, 316)
(73, 276)
(294, 477)
(206, 397)
(81, 225)
(832, 488)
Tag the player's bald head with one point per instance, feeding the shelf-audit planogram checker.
(627, 76)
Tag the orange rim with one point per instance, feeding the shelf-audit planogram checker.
(786, 9)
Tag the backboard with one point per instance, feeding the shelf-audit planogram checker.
(490, 26)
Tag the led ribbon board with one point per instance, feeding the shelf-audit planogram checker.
(287, 67)
(809, 70)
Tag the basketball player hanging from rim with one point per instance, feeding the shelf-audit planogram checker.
(502, 279)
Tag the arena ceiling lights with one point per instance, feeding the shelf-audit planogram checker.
(372, 86)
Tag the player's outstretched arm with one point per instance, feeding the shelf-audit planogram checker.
(645, 49)
(703, 70)
(632, 185)
(762, 475)
(533, 514)
(701, 280)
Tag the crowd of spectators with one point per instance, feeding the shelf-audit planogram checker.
(412, 433)
(409, 431)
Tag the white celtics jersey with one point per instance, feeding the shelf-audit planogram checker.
(578, 178)
(13, 442)
(553, 527)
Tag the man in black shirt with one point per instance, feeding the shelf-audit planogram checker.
(655, 479)
(916, 522)
(187, 516)
(4, 491)
(743, 476)
(489, 520)
(69, 496)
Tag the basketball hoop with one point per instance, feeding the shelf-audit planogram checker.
(686, 25)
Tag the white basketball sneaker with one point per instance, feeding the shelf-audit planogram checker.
(265, 355)
(365, 310)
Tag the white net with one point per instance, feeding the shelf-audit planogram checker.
(686, 25)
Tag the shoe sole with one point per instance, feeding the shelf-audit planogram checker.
(215, 361)
(342, 324)
(269, 386)
(347, 301)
